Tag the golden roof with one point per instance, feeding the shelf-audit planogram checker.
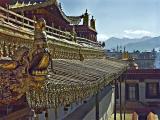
(72, 80)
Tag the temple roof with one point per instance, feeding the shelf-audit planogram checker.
(72, 80)
(27, 5)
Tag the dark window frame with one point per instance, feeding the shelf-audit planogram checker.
(148, 95)
(136, 85)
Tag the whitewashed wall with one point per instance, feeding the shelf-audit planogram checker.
(106, 107)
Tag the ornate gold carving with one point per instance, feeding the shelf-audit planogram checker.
(9, 65)
(27, 69)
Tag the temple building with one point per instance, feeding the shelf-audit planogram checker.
(51, 66)
(48, 9)
(137, 90)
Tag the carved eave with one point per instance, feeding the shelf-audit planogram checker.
(75, 20)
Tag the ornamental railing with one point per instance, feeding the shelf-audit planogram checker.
(18, 20)
(88, 42)
(22, 21)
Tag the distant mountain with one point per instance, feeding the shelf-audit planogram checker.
(141, 44)
(113, 41)
(148, 44)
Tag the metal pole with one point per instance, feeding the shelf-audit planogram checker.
(46, 115)
(125, 77)
(120, 90)
(115, 104)
(97, 106)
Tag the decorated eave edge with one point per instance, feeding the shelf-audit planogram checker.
(66, 94)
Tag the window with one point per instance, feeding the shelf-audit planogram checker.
(132, 91)
(152, 90)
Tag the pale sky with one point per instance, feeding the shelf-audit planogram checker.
(119, 18)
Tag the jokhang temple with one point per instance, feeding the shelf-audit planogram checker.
(49, 61)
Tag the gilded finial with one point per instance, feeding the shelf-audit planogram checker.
(93, 23)
(92, 17)
(86, 11)
(86, 18)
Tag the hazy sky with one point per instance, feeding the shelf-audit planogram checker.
(119, 18)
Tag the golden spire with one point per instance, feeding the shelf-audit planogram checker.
(93, 23)
(86, 18)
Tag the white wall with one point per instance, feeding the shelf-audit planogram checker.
(106, 107)
(91, 115)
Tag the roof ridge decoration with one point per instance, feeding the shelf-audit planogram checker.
(18, 5)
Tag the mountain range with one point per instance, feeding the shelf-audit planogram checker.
(141, 44)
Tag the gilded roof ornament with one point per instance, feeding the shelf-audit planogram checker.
(27, 69)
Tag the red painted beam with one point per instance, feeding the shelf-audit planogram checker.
(139, 74)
